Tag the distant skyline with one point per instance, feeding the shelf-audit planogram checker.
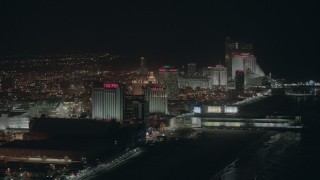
(284, 34)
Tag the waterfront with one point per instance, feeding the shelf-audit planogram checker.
(256, 153)
(159, 90)
(189, 159)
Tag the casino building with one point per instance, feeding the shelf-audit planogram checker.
(219, 76)
(168, 78)
(108, 101)
(157, 98)
(243, 61)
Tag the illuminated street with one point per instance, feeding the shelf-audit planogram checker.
(156, 90)
(92, 172)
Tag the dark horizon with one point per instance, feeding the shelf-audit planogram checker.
(284, 34)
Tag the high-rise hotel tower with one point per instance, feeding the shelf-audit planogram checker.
(157, 98)
(168, 78)
(219, 76)
(108, 101)
(235, 47)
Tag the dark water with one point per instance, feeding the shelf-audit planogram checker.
(187, 159)
(286, 155)
(266, 155)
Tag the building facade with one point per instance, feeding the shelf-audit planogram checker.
(14, 121)
(108, 102)
(168, 79)
(231, 47)
(219, 77)
(157, 98)
(192, 68)
(206, 71)
(243, 61)
(194, 82)
(136, 107)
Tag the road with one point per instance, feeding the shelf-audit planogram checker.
(91, 172)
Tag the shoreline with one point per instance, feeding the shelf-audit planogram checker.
(190, 159)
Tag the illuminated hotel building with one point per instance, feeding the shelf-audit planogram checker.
(232, 47)
(243, 61)
(219, 76)
(157, 98)
(108, 102)
(139, 83)
(168, 78)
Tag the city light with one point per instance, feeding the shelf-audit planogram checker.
(110, 86)
(86, 88)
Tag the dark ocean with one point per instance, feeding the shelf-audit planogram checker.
(285, 155)
(237, 154)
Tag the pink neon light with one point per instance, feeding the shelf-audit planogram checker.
(170, 70)
(157, 89)
(242, 55)
(110, 86)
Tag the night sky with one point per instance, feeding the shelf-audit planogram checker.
(285, 34)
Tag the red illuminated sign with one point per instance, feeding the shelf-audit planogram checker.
(110, 86)
(242, 55)
(170, 70)
(157, 89)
